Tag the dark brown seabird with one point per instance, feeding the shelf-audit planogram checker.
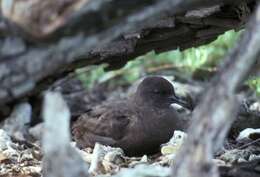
(139, 125)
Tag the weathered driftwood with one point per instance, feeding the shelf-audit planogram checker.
(93, 32)
(60, 158)
(214, 116)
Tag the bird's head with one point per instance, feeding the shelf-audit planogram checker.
(158, 91)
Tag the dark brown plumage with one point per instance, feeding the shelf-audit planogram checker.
(139, 125)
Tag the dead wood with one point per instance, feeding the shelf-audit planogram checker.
(60, 158)
(214, 116)
(101, 32)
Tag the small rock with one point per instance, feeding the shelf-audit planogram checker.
(33, 170)
(105, 159)
(144, 170)
(3, 156)
(144, 159)
(16, 124)
(36, 131)
(114, 157)
(26, 156)
(37, 154)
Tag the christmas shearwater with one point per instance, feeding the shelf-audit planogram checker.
(139, 124)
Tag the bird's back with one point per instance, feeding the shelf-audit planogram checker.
(105, 124)
(137, 130)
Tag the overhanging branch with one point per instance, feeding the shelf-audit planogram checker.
(161, 25)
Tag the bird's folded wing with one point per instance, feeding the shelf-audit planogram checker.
(102, 122)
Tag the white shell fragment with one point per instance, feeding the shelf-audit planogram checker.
(244, 136)
(173, 146)
(255, 106)
(105, 159)
(144, 160)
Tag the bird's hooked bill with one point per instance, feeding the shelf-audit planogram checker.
(181, 102)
